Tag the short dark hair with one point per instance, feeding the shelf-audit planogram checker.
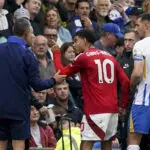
(89, 35)
(80, 1)
(20, 26)
(145, 17)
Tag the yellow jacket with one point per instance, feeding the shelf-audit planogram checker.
(76, 139)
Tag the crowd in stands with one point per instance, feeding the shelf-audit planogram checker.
(55, 23)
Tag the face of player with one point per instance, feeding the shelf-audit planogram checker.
(62, 92)
(78, 44)
(34, 114)
(139, 28)
(70, 54)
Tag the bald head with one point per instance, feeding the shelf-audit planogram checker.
(40, 46)
(38, 39)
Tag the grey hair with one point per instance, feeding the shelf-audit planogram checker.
(20, 26)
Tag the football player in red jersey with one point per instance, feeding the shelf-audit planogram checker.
(100, 73)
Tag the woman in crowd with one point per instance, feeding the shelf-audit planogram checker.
(40, 136)
(53, 20)
(67, 54)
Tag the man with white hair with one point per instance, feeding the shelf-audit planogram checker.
(101, 10)
(105, 12)
(102, 7)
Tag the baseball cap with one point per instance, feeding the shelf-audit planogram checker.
(113, 28)
(21, 13)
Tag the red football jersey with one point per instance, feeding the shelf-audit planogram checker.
(100, 73)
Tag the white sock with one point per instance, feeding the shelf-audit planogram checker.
(133, 147)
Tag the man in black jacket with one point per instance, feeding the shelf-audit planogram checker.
(126, 62)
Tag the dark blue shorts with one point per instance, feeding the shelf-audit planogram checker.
(14, 129)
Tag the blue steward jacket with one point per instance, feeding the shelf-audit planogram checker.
(19, 70)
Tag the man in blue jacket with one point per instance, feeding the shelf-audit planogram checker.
(19, 71)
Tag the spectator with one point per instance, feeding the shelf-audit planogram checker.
(5, 22)
(62, 100)
(108, 38)
(74, 135)
(105, 12)
(52, 20)
(130, 2)
(67, 53)
(12, 6)
(40, 96)
(47, 68)
(70, 7)
(68, 56)
(59, 4)
(40, 137)
(21, 13)
(146, 6)
(40, 48)
(52, 36)
(119, 47)
(33, 7)
(133, 16)
(101, 12)
(19, 71)
(82, 19)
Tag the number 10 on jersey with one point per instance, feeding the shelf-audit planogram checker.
(103, 72)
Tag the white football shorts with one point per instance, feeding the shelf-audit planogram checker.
(99, 127)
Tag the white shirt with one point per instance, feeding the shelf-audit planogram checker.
(3, 19)
(141, 52)
(35, 132)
